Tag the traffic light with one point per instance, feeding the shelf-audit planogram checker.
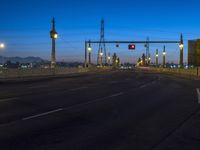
(131, 46)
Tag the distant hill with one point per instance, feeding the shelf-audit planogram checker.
(22, 60)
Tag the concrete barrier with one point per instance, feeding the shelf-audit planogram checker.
(189, 73)
(20, 73)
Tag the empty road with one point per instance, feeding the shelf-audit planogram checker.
(118, 110)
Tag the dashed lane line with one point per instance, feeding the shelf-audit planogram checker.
(43, 114)
(8, 99)
(198, 95)
(78, 105)
(77, 89)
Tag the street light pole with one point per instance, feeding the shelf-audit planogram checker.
(164, 54)
(181, 51)
(101, 58)
(89, 54)
(109, 58)
(157, 57)
(54, 36)
(2, 46)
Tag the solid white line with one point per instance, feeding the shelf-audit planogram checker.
(8, 99)
(76, 89)
(42, 114)
(198, 95)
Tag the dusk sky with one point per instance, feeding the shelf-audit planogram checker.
(25, 26)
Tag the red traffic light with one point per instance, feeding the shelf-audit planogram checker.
(131, 46)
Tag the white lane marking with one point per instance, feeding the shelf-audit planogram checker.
(8, 99)
(114, 82)
(94, 101)
(117, 94)
(61, 109)
(42, 114)
(76, 89)
(198, 95)
(143, 86)
(38, 86)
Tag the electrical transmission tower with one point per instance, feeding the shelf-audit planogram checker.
(102, 55)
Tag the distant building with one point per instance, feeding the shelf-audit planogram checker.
(194, 52)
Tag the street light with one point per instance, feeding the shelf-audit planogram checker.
(164, 53)
(181, 46)
(181, 51)
(89, 49)
(101, 58)
(2, 45)
(101, 54)
(89, 53)
(156, 57)
(109, 58)
(53, 36)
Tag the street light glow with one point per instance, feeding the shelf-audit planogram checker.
(89, 49)
(55, 36)
(109, 58)
(2, 45)
(181, 46)
(156, 55)
(164, 53)
(101, 54)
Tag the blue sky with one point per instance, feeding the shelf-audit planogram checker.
(25, 26)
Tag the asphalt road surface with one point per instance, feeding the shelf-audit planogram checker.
(119, 110)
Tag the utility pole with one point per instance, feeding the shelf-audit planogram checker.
(181, 51)
(54, 36)
(102, 46)
(156, 57)
(164, 54)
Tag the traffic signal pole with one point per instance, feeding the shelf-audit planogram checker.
(135, 42)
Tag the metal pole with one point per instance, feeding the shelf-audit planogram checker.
(89, 61)
(85, 62)
(181, 51)
(157, 57)
(164, 53)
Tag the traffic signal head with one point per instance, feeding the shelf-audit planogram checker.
(131, 46)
